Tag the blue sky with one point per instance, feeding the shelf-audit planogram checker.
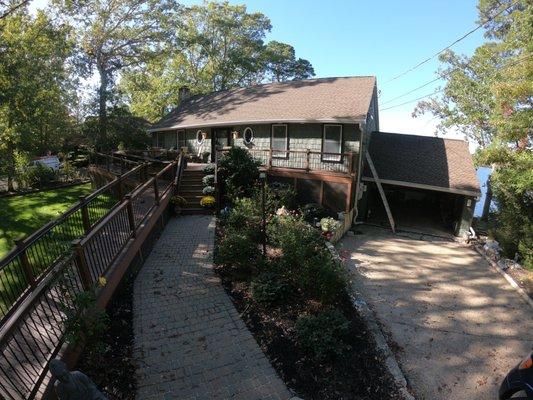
(381, 38)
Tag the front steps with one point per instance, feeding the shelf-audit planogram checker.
(191, 186)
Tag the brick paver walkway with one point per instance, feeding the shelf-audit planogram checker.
(190, 342)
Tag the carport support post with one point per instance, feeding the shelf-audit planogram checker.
(467, 213)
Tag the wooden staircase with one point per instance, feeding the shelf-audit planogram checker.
(191, 186)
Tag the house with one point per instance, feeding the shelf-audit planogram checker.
(313, 134)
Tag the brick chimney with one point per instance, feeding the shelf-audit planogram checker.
(184, 93)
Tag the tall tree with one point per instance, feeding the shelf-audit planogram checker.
(282, 65)
(489, 96)
(33, 85)
(219, 46)
(116, 34)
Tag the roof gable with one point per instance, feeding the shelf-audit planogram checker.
(311, 100)
(423, 160)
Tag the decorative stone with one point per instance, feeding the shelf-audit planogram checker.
(73, 385)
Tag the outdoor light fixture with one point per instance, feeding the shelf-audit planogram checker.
(235, 134)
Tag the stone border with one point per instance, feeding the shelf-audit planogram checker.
(507, 277)
(381, 343)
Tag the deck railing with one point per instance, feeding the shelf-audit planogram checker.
(305, 160)
(24, 266)
(34, 333)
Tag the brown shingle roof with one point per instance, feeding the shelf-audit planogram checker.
(319, 100)
(423, 160)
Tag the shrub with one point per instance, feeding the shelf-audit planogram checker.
(208, 180)
(245, 217)
(306, 262)
(270, 290)
(323, 335)
(240, 172)
(178, 201)
(35, 176)
(313, 211)
(208, 190)
(209, 169)
(329, 224)
(236, 249)
(207, 201)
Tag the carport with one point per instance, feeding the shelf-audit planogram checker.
(429, 183)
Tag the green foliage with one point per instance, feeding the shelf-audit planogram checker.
(313, 211)
(240, 172)
(269, 290)
(277, 195)
(237, 250)
(306, 263)
(34, 176)
(282, 65)
(209, 169)
(208, 180)
(512, 185)
(324, 335)
(85, 322)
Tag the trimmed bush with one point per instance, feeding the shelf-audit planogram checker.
(208, 180)
(240, 172)
(270, 290)
(208, 190)
(323, 335)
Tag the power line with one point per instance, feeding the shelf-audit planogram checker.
(413, 90)
(411, 101)
(452, 44)
(511, 64)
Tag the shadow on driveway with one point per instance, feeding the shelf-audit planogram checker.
(457, 324)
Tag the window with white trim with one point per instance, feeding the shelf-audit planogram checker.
(332, 143)
(248, 135)
(279, 141)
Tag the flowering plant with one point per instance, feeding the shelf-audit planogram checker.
(207, 201)
(208, 190)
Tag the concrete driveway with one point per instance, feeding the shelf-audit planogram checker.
(456, 325)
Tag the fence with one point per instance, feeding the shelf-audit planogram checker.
(22, 269)
(34, 334)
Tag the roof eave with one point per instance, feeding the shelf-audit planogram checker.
(464, 192)
(262, 121)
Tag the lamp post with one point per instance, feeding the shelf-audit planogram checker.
(262, 178)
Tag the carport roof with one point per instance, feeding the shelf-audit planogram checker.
(423, 162)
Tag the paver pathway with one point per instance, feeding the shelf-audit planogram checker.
(190, 342)
(459, 325)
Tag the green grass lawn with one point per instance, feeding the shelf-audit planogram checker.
(22, 215)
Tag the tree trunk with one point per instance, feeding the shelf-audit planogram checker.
(102, 112)
(10, 167)
(488, 200)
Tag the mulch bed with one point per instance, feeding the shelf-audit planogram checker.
(114, 371)
(359, 375)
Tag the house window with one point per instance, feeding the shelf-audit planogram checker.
(280, 141)
(332, 143)
(248, 135)
(160, 142)
(199, 137)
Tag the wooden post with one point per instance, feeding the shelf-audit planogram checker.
(381, 192)
(119, 189)
(81, 264)
(26, 266)
(85, 215)
(269, 158)
(122, 166)
(307, 156)
(350, 162)
(156, 191)
(131, 218)
(107, 162)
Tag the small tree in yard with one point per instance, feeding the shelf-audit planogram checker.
(240, 172)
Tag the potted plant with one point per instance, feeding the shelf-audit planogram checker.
(178, 202)
(208, 202)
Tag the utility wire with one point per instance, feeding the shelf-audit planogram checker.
(452, 44)
(511, 64)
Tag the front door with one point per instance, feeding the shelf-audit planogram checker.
(221, 138)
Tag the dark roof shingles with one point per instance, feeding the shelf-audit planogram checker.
(426, 160)
(310, 99)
